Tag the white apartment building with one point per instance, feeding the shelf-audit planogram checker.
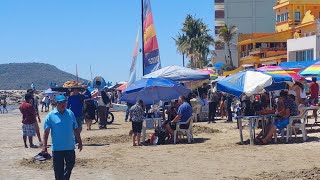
(304, 49)
(248, 16)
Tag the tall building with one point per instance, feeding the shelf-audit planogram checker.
(296, 36)
(248, 16)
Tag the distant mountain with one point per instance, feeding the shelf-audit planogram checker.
(19, 76)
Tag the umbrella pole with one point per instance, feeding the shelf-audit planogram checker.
(270, 96)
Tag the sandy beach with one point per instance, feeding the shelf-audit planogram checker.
(215, 154)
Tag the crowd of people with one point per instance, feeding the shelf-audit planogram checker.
(65, 120)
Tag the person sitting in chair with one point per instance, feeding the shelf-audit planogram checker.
(183, 115)
(286, 108)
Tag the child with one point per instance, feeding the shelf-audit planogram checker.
(89, 110)
(28, 121)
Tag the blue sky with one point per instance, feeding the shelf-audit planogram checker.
(100, 33)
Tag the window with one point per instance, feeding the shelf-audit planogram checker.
(306, 55)
(278, 18)
(297, 15)
(282, 17)
(219, 14)
(286, 16)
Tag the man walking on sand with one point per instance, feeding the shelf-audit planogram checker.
(28, 121)
(34, 103)
(64, 129)
(75, 104)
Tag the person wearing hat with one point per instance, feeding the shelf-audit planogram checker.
(104, 104)
(63, 126)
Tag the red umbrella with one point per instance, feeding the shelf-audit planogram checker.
(122, 87)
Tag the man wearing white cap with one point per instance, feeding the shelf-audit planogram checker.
(104, 104)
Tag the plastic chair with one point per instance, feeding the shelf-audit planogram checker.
(204, 114)
(149, 124)
(292, 126)
(188, 131)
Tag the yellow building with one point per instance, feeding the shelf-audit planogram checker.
(294, 19)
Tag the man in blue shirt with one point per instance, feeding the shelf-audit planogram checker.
(64, 129)
(75, 104)
(183, 115)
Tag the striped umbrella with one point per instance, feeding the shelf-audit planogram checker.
(278, 70)
(313, 70)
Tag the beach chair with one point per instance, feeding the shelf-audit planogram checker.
(187, 132)
(297, 122)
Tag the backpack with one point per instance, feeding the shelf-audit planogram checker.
(105, 98)
(161, 134)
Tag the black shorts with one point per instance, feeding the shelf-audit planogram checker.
(173, 126)
(136, 127)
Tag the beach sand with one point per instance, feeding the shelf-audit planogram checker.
(216, 154)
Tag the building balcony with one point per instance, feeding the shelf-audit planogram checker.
(262, 50)
(274, 58)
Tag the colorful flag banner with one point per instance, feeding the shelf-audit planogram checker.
(132, 75)
(151, 57)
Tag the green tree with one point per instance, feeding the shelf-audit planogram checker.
(226, 34)
(194, 41)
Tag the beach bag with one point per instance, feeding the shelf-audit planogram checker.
(161, 136)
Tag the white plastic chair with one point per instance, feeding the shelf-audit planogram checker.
(188, 131)
(149, 124)
(204, 114)
(292, 126)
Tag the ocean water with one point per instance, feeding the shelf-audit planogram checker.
(11, 107)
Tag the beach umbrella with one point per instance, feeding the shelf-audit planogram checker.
(178, 73)
(152, 90)
(278, 70)
(122, 87)
(250, 82)
(313, 70)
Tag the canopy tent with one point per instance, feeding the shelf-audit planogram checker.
(297, 65)
(250, 82)
(178, 73)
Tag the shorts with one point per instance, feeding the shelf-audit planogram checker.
(280, 124)
(173, 126)
(313, 101)
(79, 122)
(136, 127)
(29, 129)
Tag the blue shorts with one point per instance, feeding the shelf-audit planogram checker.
(280, 124)
(79, 122)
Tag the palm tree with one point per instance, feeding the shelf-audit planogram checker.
(194, 41)
(226, 34)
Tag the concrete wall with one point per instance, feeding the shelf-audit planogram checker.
(249, 16)
(304, 43)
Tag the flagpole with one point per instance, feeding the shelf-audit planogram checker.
(77, 73)
(142, 33)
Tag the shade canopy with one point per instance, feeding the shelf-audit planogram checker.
(153, 90)
(278, 70)
(312, 70)
(178, 73)
(250, 82)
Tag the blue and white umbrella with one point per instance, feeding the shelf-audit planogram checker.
(251, 82)
(153, 90)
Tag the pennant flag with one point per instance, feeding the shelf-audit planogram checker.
(132, 75)
(151, 56)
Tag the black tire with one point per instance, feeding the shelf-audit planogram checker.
(96, 119)
(110, 118)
